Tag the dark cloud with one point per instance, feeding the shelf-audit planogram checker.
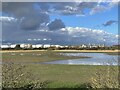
(34, 22)
(89, 5)
(98, 9)
(29, 23)
(18, 9)
(44, 6)
(66, 8)
(68, 36)
(108, 23)
(56, 24)
(29, 18)
(33, 15)
(73, 8)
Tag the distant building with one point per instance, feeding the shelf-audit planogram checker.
(5, 46)
(25, 46)
(66, 46)
(46, 46)
(37, 46)
(83, 46)
(61, 46)
(13, 46)
(57, 46)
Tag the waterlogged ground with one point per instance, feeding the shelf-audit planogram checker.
(35, 56)
(51, 57)
(96, 59)
(56, 76)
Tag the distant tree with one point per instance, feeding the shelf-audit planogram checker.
(17, 47)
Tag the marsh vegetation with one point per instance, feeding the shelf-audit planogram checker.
(32, 75)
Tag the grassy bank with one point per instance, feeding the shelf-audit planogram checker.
(41, 56)
(115, 53)
(102, 51)
(38, 56)
(54, 76)
(57, 76)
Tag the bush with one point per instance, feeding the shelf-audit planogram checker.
(17, 76)
(106, 78)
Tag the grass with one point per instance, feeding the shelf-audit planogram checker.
(60, 76)
(52, 76)
(39, 56)
(115, 53)
(106, 78)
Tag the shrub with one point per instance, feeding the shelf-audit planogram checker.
(17, 76)
(106, 78)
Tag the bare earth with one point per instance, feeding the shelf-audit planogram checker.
(5, 51)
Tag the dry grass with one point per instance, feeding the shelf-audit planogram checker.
(6, 51)
(40, 56)
(55, 76)
(106, 78)
(39, 75)
(14, 76)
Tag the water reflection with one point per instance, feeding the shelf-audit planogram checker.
(97, 59)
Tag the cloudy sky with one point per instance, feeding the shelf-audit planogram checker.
(71, 23)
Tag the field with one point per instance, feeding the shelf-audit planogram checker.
(35, 56)
(54, 76)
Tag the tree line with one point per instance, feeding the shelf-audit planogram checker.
(114, 47)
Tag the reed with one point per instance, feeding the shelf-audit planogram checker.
(105, 78)
(16, 76)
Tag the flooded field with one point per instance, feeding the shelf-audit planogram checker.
(96, 59)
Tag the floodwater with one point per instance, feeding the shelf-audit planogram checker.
(96, 59)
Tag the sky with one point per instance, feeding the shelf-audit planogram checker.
(64, 23)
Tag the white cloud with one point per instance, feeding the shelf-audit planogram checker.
(68, 35)
(91, 36)
(7, 19)
(97, 9)
(100, 8)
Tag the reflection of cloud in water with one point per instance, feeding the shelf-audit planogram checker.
(97, 59)
(70, 61)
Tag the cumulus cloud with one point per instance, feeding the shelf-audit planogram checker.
(70, 8)
(56, 24)
(63, 36)
(32, 16)
(76, 8)
(86, 35)
(100, 7)
(64, 8)
(17, 9)
(34, 22)
(76, 36)
(29, 18)
(25, 16)
(67, 8)
(7, 19)
(110, 22)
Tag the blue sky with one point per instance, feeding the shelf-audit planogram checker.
(60, 23)
(92, 21)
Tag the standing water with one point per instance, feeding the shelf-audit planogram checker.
(96, 59)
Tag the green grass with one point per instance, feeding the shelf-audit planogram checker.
(39, 56)
(58, 76)
(66, 76)
(65, 73)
